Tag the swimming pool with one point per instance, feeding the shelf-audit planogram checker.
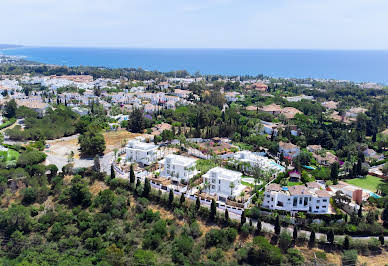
(278, 166)
(374, 195)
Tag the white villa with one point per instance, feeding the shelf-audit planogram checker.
(141, 152)
(223, 183)
(256, 160)
(310, 199)
(178, 168)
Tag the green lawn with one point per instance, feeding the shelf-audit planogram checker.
(10, 155)
(369, 182)
(290, 184)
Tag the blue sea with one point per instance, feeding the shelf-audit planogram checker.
(358, 66)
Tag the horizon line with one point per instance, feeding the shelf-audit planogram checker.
(190, 48)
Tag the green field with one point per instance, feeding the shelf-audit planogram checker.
(369, 182)
(8, 156)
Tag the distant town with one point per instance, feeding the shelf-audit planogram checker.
(262, 152)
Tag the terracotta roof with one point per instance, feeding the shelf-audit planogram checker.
(272, 108)
(273, 187)
(313, 185)
(322, 194)
(299, 190)
(287, 145)
(290, 112)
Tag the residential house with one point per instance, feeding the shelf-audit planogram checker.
(296, 198)
(288, 149)
(141, 152)
(180, 169)
(223, 183)
(259, 87)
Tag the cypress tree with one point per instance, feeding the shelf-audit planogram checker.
(147, 188)
(182, 199)
(346, 243)
(197, 204)
(97, 166)
(213, 211)
(330, 236)
(170, 198)
(243, 218)
(226, 217)
(277, 225)
(131, 175)
(295, 233)
(360, 211)
(112, 172)
(250, 222)
(312, 237)
(258, 227)
(381, 239)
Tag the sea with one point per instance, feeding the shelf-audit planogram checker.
(351, 65)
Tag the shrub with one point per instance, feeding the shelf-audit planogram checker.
(349, 257)
(294, 256)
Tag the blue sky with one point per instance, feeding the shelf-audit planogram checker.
(291, 24)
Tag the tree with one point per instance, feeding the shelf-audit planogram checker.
(131, 175)
(91, 143)
(213, 211)
(258, 227)
(334, 172)
(197, 204)
(384, 215)
(295, 233)
(243, 218)
(170, 198)
(360, 211)
(144, 257)
(381, 239)
(136, 123)
(97, 165)
(112, 172)
(10, 109)
(226, 217)
(182, 199)
(312, 237)
(147, 188)
(231, 186)
(277, 225)
(346, 244)
(330, 236)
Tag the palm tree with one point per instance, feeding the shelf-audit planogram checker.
(232, 186)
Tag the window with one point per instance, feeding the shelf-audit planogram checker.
(318, 201)
(317, 207)
(300, 201)
(213, 187)
(219, 181)
(305, 201)
(271, 199)
(324, 200)
(295, 202)
(324, 207)
(267, 196)
(213, 180)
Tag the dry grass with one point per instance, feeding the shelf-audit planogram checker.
(374, 260)
(97, 187)
(115, 139)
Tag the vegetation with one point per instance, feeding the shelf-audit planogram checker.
(369, 182)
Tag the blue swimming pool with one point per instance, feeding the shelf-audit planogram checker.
(374, 195)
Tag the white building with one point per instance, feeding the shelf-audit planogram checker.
(223, 182)
(256, 160)
(141, 152)
(178, 168)
(296, 198)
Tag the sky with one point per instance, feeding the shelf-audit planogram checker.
(268, 24)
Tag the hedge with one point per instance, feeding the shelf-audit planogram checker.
(8, 123)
